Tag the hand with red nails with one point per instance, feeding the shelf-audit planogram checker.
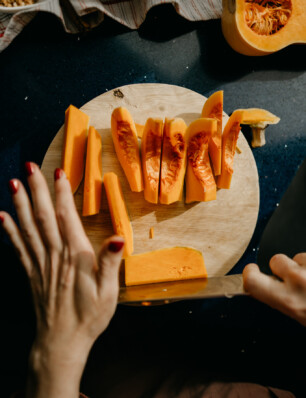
(287, 291)
(74, 293)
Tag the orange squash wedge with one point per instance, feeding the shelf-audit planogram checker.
(213, 108)
(229, 143)
(93, 174)
(151, 147)
(200, 181)
(164, 265)
(259, 27)
(173, 163)
(74, 148)
(126, 146)
(120, 219)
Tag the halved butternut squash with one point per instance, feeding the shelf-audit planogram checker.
(118, 211)
(229, 143)
(213, 108)
(93, 174)
(164, 265)
(173, 163)
(260, 27)
(151, 147)
(74, 148)
(126, 146)
(200, 181)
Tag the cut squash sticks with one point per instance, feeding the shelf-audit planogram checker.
(229, 143)
(125, 140)
(213, 108)
(200, 181)
(74, 148)
(151, 146)
(118, 211)
(93, 174)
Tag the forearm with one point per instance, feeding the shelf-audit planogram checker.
(54, 374)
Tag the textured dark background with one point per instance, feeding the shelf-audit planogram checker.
(41, 73)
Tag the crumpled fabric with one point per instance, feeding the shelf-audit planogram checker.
(80, 15)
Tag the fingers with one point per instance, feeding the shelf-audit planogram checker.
(43, 208)
(109, 261)
(28, 228)
(283, 266)
(300, 259)
(262, 287)
(69, 222)
(15, 237)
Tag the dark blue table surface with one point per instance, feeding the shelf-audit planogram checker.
(42, 72)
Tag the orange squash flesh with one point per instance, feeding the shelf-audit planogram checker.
(151, 145)
(173, 163)
(139, 129)
(229, 143)
(164, 265)
(213, 108)
(93, 174)
(126, 146)
(260, 27)
(200, 181)
(74, 148)
(120, 219)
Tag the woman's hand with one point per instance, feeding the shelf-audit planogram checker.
(74, 293)
(287, 293)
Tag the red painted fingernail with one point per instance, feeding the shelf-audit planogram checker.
(13, 185)
(29, 168)
(1, 219)
(115, 246)
(57, 173)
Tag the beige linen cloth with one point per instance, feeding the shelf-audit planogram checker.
(82, 15)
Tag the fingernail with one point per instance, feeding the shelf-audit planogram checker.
(29, 168)
(115, 246)
(1, 219)
(57, 173)
(13, 185)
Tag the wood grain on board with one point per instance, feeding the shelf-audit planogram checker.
(220, 229)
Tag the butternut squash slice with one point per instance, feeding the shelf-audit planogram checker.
(200, 181)
(93, 174)
(139, 129)
(164, 265)
(229, 143)
(258, 119)
(260, 27)
(173, 163)
(126, 146)
(151, 146)
(213, 108)
(118, 211)
(74, 148)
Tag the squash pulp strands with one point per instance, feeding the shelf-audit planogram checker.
(213, 108)
(151, 147)
(126, 146)
(229, 143)
(117, 207)
(200, 181)
(74, 148)
(173, 161)
(93, 174)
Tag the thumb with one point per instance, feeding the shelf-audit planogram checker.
(109, 261)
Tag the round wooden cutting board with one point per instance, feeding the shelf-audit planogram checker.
(220, 229)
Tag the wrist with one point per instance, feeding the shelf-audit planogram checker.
(55, 372)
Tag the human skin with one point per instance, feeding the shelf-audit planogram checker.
(74, 292)
(286, 291)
